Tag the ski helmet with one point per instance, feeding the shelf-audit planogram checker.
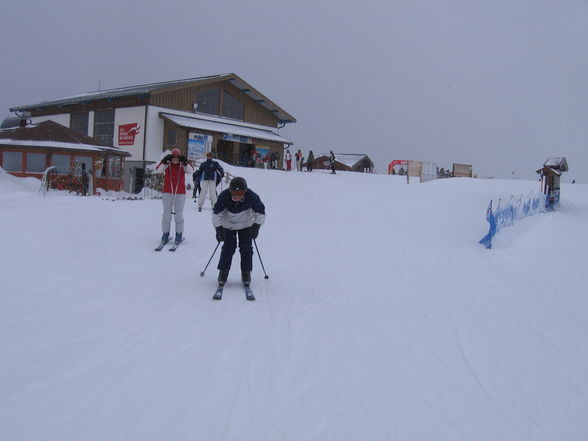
(176, 152)
(238, 184)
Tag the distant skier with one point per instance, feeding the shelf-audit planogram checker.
(332, 161)
(210, 173)
(298, 156)
(174, 167)
(237, 212)
(309, 161)
(288, 158)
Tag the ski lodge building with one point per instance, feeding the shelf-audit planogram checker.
(218, 113)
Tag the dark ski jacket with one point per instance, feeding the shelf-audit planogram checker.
(238, 215)
(211, 170)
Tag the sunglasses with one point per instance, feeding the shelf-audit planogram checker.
(237, 193)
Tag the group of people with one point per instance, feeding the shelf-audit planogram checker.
(300, 163)
(237, 214)
(251, 158)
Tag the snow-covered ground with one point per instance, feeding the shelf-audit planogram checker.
(382, 319)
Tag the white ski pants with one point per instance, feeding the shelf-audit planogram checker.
(175, 204)
(208, 188)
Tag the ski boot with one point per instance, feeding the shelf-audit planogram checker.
(246, 277)
(222, 277)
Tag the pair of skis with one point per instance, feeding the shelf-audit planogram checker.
(172, 248)
(218, 295)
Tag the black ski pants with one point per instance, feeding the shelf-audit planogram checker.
(230, 246)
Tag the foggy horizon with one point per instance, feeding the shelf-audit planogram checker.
(500, 86)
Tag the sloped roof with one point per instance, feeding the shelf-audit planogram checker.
(145, 90)
(348, 159)
(49, 134)
(10, 121)
(557, 163)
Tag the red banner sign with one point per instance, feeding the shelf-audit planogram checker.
(396, 162)
(127, 133)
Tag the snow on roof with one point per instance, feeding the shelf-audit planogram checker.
(147, 89)
(347, 159)
(114, 93)
(53, 145)
(558, 162)
(49, 134)
(224, 126)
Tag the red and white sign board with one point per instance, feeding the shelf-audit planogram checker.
(127, 133)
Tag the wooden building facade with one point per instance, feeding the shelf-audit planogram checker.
(219, 113)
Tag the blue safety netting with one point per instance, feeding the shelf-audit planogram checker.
(505, 214)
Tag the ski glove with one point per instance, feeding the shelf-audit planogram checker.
(255, 231)
(166, 159)
(220, 234)
(183, 160)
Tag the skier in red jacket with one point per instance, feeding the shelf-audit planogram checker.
(175, 166)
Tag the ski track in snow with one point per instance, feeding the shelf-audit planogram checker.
(382, 317)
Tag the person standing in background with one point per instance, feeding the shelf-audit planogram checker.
(298, 156)
(209, 173)
(309, 161)
(332, 161)
(174, 166)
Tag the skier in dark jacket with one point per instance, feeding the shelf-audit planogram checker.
(309, 161)
(332, 161)
(237, 212)
(196, 181)
(210, 173)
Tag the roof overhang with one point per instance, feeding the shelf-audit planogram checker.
(58, 145)
(283, 116)
(223, 127)
(549, 171)
(558, 162)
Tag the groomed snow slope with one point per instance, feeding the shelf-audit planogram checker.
(383, 318)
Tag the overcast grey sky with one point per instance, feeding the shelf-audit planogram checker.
(499, 84)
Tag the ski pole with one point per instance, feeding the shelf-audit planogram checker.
(202, 273)
(260, 261)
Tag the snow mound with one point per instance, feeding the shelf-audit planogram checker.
(10, 183)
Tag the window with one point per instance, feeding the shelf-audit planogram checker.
(104, 126)
(36, 162)
(171, 136)
(79, 122)
(114, 167)
(12, 161)
(232, 107)
(62, 163)
(207, 101)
